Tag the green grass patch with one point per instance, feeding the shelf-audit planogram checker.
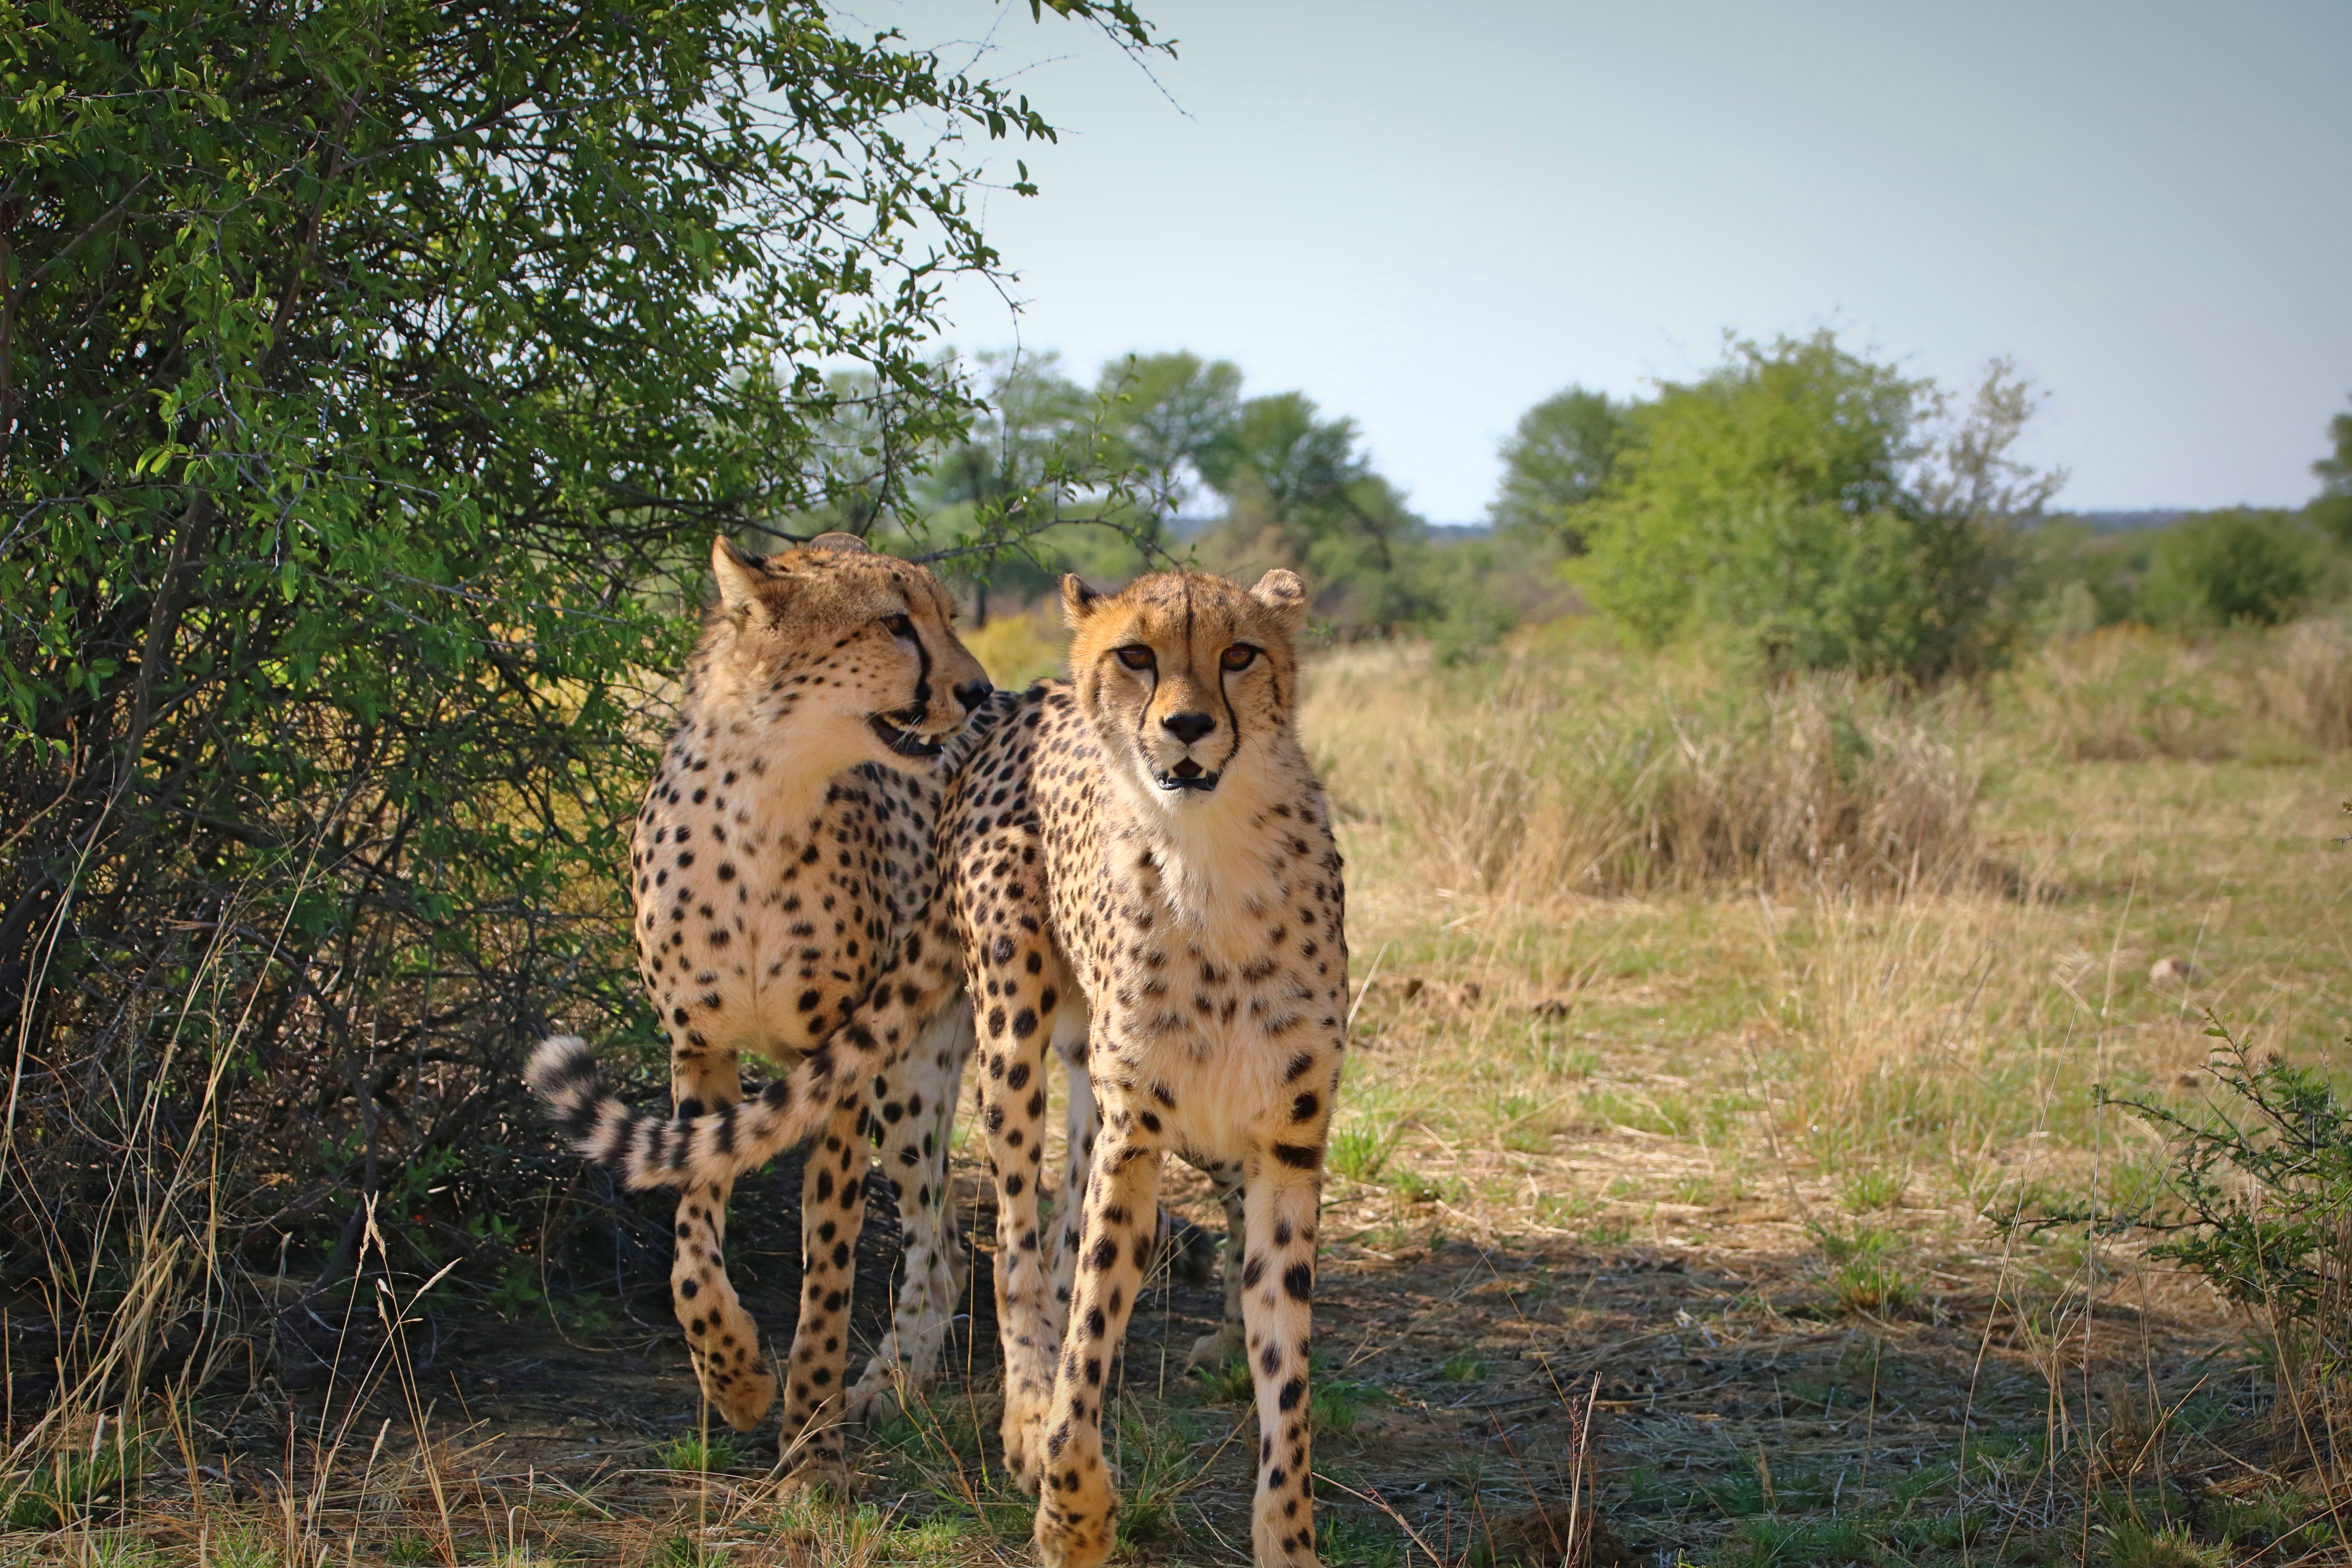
(1361, 1150)
(697, 1453)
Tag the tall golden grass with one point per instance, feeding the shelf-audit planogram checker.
(1535, 776)
(2126, 693)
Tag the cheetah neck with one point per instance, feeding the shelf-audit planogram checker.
(784, 757)
(1217, 856)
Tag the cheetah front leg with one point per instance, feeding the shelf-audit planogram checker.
(721, 1339)
(1080, 1125)
(833, 1211)
(1078, 1508)
(1279, 1207)
(1019, 1019)
(917, 1109)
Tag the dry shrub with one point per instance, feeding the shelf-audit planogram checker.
(1920, 1024)
(1535, 776)
(2127, 694)
(2310, 688)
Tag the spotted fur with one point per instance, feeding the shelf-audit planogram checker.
(785, 874)
(1149, 843)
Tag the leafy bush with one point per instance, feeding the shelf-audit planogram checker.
(2265, 1202)
(375, 375)
(1801, 501)
(2257, 1198)
(2231, 568)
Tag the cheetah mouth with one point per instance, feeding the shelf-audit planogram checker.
(902, 742)
(1186, 775)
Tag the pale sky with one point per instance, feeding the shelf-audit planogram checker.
(1429, 217)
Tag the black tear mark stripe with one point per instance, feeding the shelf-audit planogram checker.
(1232, 725)
(922, 671)
(1144, 718)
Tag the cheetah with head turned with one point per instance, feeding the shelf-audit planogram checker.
(785, 871)
(1149, 842)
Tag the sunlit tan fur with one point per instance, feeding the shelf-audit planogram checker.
(785, 871)
(1149, 842)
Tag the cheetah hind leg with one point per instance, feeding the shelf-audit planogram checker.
(1231, 1337)
(915, 1157)
(1081, 1125)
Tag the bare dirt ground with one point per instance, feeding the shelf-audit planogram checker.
(1742, 1411)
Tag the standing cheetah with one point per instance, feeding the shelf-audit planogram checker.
(785, 870)
(1149, 840)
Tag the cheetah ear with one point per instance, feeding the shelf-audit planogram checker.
(1078, 601)
(737, 575)
(1282, 594)
(849, 541)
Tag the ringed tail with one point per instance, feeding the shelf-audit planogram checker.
(674, 1152)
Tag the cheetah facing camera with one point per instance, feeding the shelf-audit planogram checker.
(785, 870)
(1149, 843)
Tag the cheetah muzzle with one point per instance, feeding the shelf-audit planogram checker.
(901, 737)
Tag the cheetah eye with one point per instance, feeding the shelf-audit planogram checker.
(1135, 656)
(1241, 655)
(899, 625)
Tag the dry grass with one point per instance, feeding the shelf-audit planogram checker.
(1693, 1048)
(1535, 776)
(2125, 693)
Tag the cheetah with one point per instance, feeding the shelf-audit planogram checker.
(1147, 845)
(785, 872)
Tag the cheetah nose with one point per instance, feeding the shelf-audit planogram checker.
(974, 694)
(1188, 727)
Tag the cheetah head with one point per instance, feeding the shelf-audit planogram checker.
(852, 645)
(1187, 680)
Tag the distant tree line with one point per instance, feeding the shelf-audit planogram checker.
(1164, 455)
(1813, 508)
(1803, 505)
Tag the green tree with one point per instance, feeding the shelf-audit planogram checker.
(1819, 507)
(2332, 510)
(1299, 494)
(2231, 568)
(1032, 432)
(371, 376)
(1166, 411)
(1558, 459)
(1303, 463)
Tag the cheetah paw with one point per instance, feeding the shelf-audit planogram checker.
(748, 1397)
(813, 1474)
(875, 1400)
(1074, 1538)
(1025, 1446)
(1213, 1350)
